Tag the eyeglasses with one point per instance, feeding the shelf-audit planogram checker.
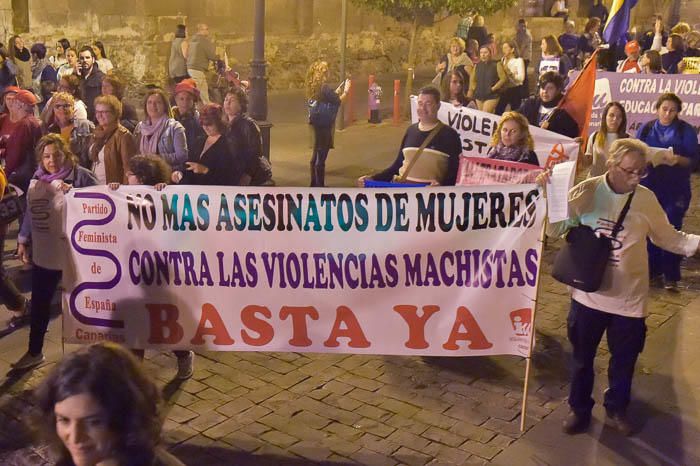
(62, 106)
(638, 173)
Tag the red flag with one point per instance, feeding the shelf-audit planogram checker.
(578, 100)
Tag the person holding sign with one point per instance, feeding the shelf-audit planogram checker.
(512, 140)
(670, 179)
(618, 307)
(429, 151)
(41, 234)
(553, 57)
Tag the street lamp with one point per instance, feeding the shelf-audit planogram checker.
(258, 81)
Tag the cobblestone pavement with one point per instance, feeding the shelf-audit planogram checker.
(305, 409)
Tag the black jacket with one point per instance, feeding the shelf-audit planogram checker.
(91, 87)
(223, 169)
(244, 138)
(560, 121)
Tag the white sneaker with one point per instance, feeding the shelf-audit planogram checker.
(185, 366)
(28, 361)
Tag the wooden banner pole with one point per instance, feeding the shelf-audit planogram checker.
(528, 360)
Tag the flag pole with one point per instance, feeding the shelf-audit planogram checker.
(531, 343)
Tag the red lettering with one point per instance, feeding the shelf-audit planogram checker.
(300, 335)
(416, 325)
(218, 329)
(163, 318)
(473, 334)
(262, 328)
(352, 330)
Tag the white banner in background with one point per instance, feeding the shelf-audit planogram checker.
(476, 128)
(440, 271)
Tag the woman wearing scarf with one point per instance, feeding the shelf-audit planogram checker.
(670, 180)
(455, 57)
(113, 144)
(42, 233)
(512, 140)
(160, 134)
(20, 56)
(75, 132)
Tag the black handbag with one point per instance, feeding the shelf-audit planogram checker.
(581, 262)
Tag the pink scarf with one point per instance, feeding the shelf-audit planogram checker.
(150, 134)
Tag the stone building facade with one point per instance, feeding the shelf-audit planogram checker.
(137, 33)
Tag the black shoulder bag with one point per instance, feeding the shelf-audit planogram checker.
(581, 262)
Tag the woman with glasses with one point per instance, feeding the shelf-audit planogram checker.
(670, 180)
(618, 308)
(74, 132)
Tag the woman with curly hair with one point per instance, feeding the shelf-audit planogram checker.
(98, 406)
(512, 140)
(319, 93)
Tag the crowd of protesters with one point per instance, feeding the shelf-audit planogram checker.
(65, 124)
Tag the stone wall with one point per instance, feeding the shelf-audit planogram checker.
(137, 33)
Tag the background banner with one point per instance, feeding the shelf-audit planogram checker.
(440, 271)
(638, 93)
(476, 129)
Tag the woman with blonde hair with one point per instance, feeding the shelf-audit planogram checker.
(323, 106)
(75, 132)
(512, 140)
(113, 145)
(455, 57)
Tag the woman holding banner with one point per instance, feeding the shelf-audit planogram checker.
(613, 126)
(512, 140)
(58, 172)
(670, 179)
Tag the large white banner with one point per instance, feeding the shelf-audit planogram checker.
(476, 129)
(440, 271)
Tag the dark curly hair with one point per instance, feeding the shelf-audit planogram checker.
(117, 381)
(150, 169)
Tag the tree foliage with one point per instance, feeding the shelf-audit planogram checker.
(408, 10)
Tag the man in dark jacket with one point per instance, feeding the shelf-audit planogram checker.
(541, 109)
(90, 79)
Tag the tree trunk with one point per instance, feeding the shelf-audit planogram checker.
(411, 68)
